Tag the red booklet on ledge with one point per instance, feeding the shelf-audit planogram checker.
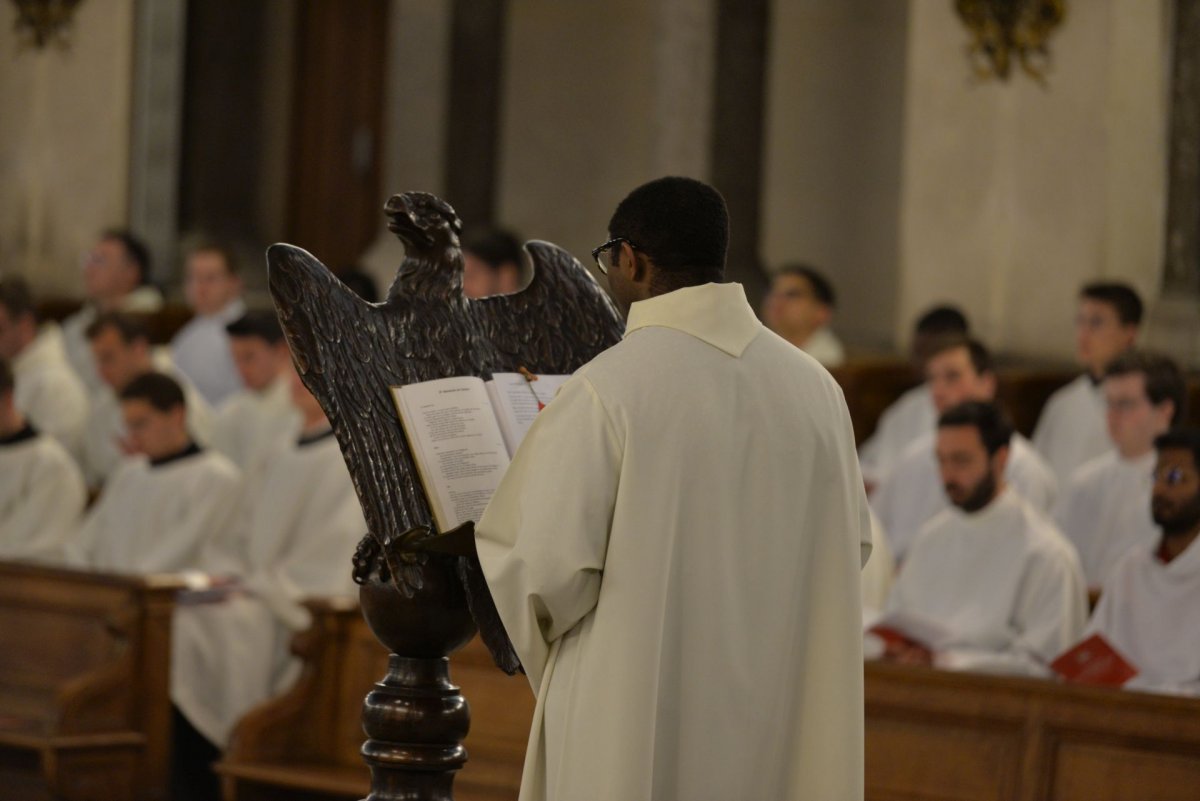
(1094, 661)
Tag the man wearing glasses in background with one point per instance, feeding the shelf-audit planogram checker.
(675, 549)
(799, 307)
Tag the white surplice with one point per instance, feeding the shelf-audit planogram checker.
(824, 346)
(162, 518)
(1071, 429)
(48, 392)
(1105, 511)
(1003, 585)
(909, 418)
(1148, 612)
(912, 492)
(42, 498)
(878, 573)
(201, 352)
(675, 552)
(304, 525)
(102, 453)
(251, 424)
(143, 300)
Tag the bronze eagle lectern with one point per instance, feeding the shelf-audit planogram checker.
(421, 604)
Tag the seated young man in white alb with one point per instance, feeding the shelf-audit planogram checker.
(912, 415)
(259, 417)
(1148, 609)
(201, 348)
(957, 370)
(121, 352)
(42, 495)
(303, 527)
(1071, 428)
(49, 393)
(116, 278)
(799, 307)
(169, 506)
(1105, 507)
(992, 576)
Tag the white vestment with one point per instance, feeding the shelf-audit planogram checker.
(143, 300)
(1071, 429)
(1003, 584)
(878, 573)
(675, 552)
(102, 453)
(48, 392)
(824, 346)
(304, 526)
(1105, 511)
(909, 418)
(1148, 612)
(42, 498)
(912, 492)
(201, 352)
(251, 424)
(163, 518)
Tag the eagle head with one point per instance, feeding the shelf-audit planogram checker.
(422, 221)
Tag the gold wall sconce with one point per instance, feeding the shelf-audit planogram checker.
(40, 22)
(1008, 31)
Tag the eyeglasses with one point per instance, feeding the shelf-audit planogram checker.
(608, 246)
(1171, 476)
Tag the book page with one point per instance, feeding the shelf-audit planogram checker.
(517, 402)
(457, 443)
(1094, 661)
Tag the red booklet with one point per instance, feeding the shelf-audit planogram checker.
(1094, 661)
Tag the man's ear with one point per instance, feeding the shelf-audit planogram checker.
(1000, 460)
(1165, 412)
(636, 270)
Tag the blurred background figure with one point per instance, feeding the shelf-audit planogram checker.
(212, 285)
(799, 307)
(492, 263)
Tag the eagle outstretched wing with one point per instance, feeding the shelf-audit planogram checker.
(338, 345)
(560, 321)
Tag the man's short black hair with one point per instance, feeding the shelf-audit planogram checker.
(16, 298)
(135, 250)
(7, 380)
(493, 246)
(258, 323)
(1122, 297)
(988, 419)
(1185, 439)
(981, 357)
(158, 389)
(1164, 379)
(943, 320)
(232, 265)
(681, 224)
(822, 289)
(130, 328)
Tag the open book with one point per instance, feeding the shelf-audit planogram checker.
(463, 431)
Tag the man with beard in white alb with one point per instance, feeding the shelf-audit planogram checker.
(303, 526)
(1105, 508)
(42, 495)
(1071, 429)
(1148, 609)
(957, 370)
(172, 503)
(993, 574)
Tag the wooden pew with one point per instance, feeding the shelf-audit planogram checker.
(305, 743)
(939, 736)
(1023, 391)
(870, 386)
(161, 326)
(85, 713)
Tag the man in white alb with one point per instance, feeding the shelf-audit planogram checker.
(42, 496)
(116, 278)
(201, 348)
(261, 415)
(912, 415)
(121, 351)
(303, 525)
(48, 391)
(957, 370)
(1148, 609)
(675, 549)
(1071, 428)
(799, 307)
(992, 574)
(1105, 507)
(172, 504)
